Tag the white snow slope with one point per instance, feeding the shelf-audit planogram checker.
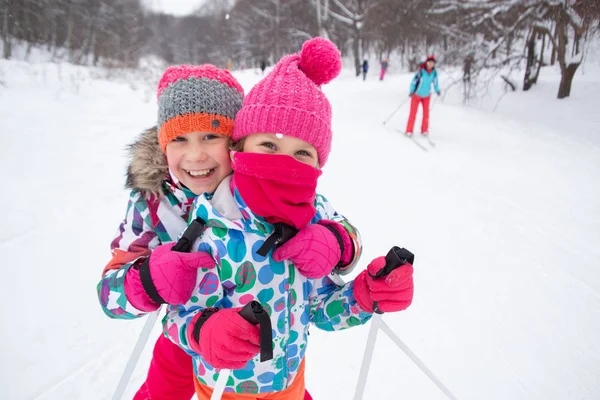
(503, 216)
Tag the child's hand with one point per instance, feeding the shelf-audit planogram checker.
(315, 250)
(226, 339)
(173, 273)
(393, 292)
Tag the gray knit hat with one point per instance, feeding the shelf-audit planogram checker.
(199, 98)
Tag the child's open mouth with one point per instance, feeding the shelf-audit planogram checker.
(200, 173)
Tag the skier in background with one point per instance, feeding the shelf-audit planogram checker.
(467, 65)
(384, 67)
(365, 69)
(420, 92)
(263, 65)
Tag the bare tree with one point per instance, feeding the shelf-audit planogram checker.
(501, 22)
(7, 7)
(352, 13)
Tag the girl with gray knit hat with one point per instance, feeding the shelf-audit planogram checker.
(186, 155)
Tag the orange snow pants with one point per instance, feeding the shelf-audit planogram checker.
(294, 392)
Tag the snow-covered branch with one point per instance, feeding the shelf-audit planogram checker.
(260, 12)
(298, 33)
(342, 7)
(544, 28)
(341, 18)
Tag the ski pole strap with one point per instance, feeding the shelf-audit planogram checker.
(395, 258)
(183, 245)
(281, 234)
(192, 232)
(254, 313)
(206, 313)
(148, 283)
(340, 241)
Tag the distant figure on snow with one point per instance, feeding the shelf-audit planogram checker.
(384, 67)
(420, 92)
(468, 63)
(263, 65)
(365, 69)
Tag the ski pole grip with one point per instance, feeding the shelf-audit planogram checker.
(395, 258)
(254, 313)
(192, 232)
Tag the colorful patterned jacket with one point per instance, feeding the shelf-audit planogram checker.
(157, 212)
(242, 275)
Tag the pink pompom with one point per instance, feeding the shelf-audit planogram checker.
(320, 60)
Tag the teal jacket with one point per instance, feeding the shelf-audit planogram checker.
(422, 81)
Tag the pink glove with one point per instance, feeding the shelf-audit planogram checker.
(173, 277)
(393, 292)
(225, 339)
(316, 250)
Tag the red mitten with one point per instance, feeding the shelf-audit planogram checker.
(225, 339)
(390, 293)
(173, 277)
(316, 249)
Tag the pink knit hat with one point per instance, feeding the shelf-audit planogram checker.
(289, 99)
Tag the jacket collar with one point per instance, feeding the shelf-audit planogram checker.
(227, 209)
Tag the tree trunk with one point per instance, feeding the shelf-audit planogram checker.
(566, 78)
(355, 52)
(530, 76)
(277, 21)
(356, 49)
(7, 48)
(321, 18)
(554, 49)
(6, 31)
(567, 69)
(542, 53)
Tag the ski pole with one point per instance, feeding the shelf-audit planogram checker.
(386, 329)
(395, 111)
(135, 354)
(254, 313)
(395, 258)
(434, 103)
(184, 245)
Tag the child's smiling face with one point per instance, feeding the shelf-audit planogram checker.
(276, 143)
(200, 160)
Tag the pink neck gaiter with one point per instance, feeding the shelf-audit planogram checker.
(276, 187)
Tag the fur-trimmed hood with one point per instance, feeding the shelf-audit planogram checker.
(148, 167)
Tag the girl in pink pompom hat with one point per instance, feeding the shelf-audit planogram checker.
(278, 244)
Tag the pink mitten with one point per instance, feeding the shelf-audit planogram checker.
(390, 293)
(224, 338)
(165, 277)
(316, 249)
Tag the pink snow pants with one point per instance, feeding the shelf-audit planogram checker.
(171, 374)
(382, 74)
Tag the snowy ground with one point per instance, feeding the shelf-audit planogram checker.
(503, 216)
